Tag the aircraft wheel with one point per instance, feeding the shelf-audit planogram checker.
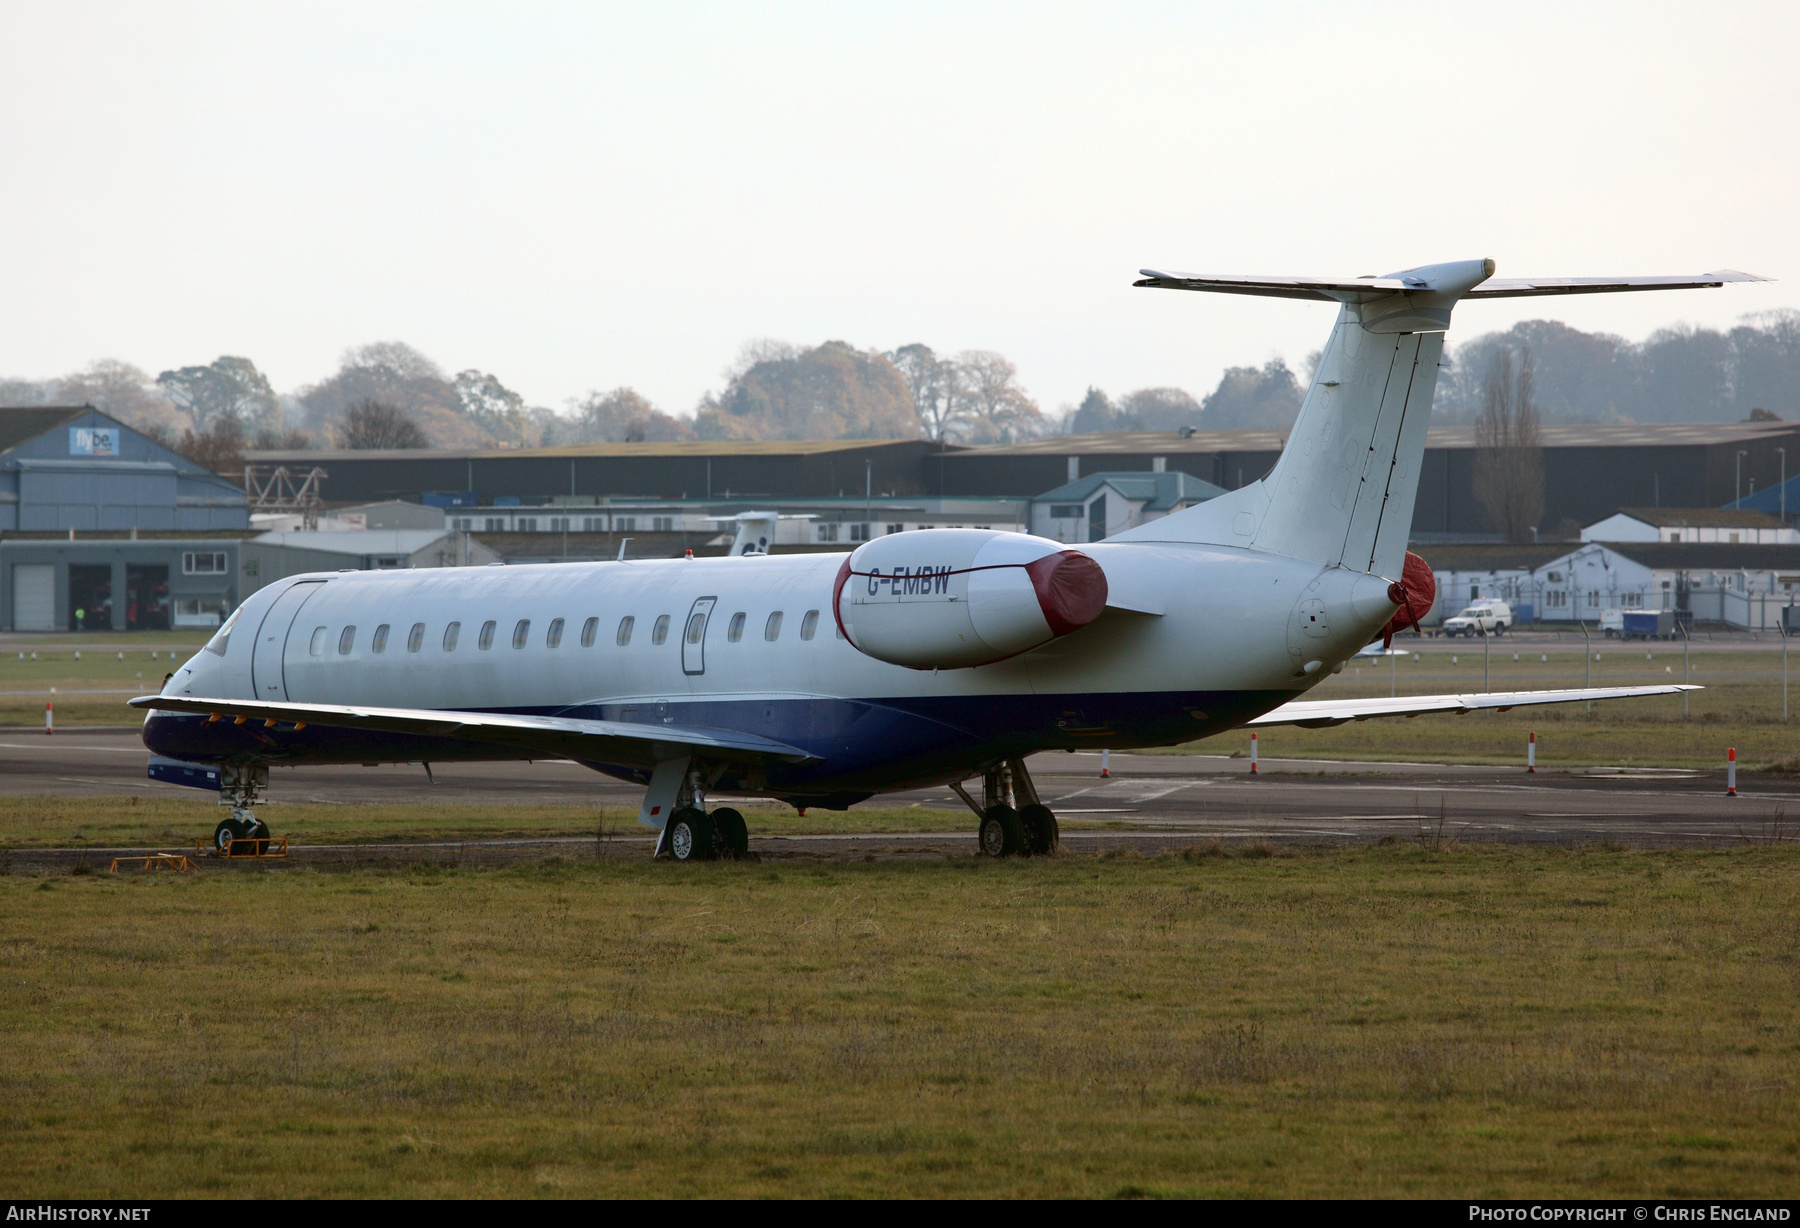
(1001, 833)
(690, 835)
(227, 831)
(1041, 834)
(733, 836)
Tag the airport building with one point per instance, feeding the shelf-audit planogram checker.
(1591, 470)
(103, 528)
(1744, 586)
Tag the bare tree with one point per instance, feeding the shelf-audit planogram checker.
(1509, 456)
(370, 424)
(997, 407)
(935, 384)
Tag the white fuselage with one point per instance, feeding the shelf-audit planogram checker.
(1227, 644)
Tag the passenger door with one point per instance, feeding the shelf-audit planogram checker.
(693, 636)
(271, 640)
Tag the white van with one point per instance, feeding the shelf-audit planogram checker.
(1480, 618)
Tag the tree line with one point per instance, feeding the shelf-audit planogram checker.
(389, 395)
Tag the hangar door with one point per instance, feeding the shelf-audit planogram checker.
(34, 597)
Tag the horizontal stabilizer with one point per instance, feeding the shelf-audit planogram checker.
(1362, 289)
(1525, 287)
(1321, 713)
(609, 741)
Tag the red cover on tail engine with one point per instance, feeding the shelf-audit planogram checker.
(1414, 592)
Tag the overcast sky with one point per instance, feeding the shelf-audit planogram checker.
(582, 196)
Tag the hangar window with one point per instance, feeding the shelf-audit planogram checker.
(589, 630)
(317, 647)
(203, 563)
(559, 524)
(553, 637)
(624, 636)
(415, 638)
(896, 528)
(809, 624)
(1066, 511)
(772, 628)
(521, 629)
(346, 639)
(496, 524)
(593, 524)
(662, 524)
(624, 524)
(379, 643)
(527, 524)
(485, 640)
(450, 634)
(735, 631)
(859, 532)
(660, 632)
(827, 532)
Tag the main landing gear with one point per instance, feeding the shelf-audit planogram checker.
(1009, 829)
(694, 834)
(241, 787)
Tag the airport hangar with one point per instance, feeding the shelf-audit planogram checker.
(1591, 470)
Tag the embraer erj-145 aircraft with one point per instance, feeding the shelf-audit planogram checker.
(923, 658)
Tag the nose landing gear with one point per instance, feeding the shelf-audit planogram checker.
(241, 787)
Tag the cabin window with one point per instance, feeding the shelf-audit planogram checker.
(809, 624)
(415, 639)
(696, 628)
(589, 630)
(772, 628)
(485, 640)
(660, 631)
(624, 636)
(735, 631)
(553, 637)
(317, 647)
(521, 629)
(345, 639)
(450, 634)
(379, 643)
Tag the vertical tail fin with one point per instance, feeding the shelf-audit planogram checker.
(1344, 488)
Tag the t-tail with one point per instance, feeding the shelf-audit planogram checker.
(1343, 489)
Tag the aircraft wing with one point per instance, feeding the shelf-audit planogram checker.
(611, 741)
(1323, 713)
(1523, 287)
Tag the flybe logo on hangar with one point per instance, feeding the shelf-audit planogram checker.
(911, 581)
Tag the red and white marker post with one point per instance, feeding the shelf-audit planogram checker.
(1531, 754)
(1253, 752)
(49, 716)
(1731, 771)
(1105, 768)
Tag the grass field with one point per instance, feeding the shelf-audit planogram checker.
(93, 690)
(1386, 1021)
(1741, 707)
(172, 822)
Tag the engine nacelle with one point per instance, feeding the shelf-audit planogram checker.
(952, 598)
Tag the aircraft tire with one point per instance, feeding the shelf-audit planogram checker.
(733, 836)
(227, 831)
(1042, 836)
(1001, 833)
(691, 835)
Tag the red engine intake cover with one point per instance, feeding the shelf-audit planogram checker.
(1414, 593)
